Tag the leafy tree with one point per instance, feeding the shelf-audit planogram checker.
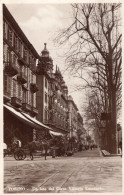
(95, 38)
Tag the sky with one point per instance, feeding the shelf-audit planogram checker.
(41, 24)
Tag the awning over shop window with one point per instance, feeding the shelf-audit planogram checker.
(56, 133)
(29, 121)
(35, 121)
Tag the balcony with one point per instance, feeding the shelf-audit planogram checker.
(26, 107)
(33, 87)
(25, 87)
(21, 60)
(22, 78)
(34, 111)
(11, 69)
(16, 102)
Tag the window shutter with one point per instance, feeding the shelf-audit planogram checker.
(14, 88)
(10, 37)
(9, 85)
(5, 82)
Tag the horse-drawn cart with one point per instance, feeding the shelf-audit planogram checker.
(18, 153)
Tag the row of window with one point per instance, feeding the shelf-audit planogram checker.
(56, 107)
(10, 57)
(18, 91)
(56, 119)
(17, 43)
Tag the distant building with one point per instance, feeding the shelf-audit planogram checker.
(55, 107)
(73, 117)
(52, 96)
(80, 129)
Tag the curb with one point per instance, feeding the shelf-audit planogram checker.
(107, 154)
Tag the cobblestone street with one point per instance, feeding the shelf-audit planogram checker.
(85, 171)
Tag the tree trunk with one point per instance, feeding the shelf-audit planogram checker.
(113, 140)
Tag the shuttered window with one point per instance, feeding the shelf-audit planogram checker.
(19, 91)
(16, 44)
(9, 56)
(14, 59)
(7, 84)
(24, 96)
(25, 54)
(10, 36)
(14, 88)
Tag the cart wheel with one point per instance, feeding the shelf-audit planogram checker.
(23, 155)
(16, 156)
(19, 155)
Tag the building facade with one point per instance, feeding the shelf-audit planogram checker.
(73, 117)
(55, 107)
(80, 128)
(52, 95)
(19, 63)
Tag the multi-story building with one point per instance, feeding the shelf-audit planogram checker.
(73, 117)
(55, 107)
(19, 62)
(52, 95)
(80, 128)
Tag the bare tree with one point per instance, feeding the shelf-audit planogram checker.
(96, 36)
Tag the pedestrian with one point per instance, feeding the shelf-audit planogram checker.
(120, 146)
(19, 143)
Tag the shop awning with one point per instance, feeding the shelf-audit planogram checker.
(56, 133)
(35, 121)
(27, 120)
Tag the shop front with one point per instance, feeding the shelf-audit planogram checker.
(18, 125)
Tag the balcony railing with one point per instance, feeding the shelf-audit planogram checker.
(11, 69)
(16, 102)
(22, 78)
(33, 87)
(26, 107)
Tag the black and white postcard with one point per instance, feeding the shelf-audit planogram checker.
(61, 89)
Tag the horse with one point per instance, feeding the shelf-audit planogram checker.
(38, 145)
